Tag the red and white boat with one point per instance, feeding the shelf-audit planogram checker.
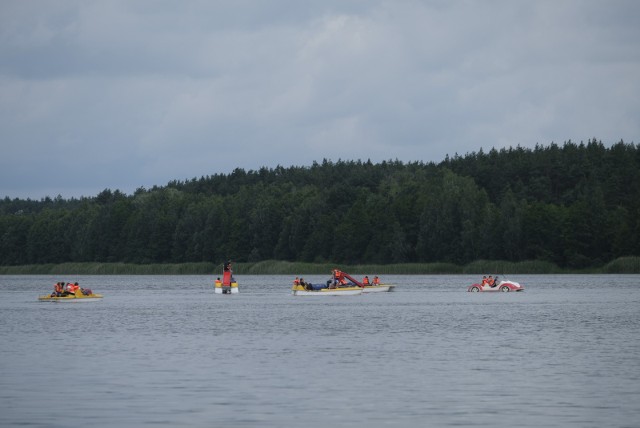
(503, 286)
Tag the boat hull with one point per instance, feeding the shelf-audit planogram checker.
(71, 298)
(503, 286)
(227, 289)
(350, 291)
(377, 288)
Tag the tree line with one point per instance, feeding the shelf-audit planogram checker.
(576, 205)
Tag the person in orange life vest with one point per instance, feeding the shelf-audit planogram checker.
(491, 282)
(218, 283)
(485, 281)
(376, 280)
(365, 280)
(333, 282)
(58, 290)
(296, 281)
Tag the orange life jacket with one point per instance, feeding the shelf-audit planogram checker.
(376, 281)
(365, 281)
(218, 283)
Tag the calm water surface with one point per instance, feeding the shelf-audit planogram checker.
(165, 350)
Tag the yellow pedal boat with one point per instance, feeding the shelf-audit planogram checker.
(78, 297)
(226, 289)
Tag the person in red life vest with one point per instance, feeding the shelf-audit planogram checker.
(485, 281)
(296, 281)
(71, 288)
(68, 288)
(227, 273)
(365, 280)
(376, 280)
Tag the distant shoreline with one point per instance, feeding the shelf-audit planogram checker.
(622, 265)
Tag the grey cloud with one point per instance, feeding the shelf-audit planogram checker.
(174, 90)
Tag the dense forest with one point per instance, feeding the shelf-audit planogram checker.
(576, 205)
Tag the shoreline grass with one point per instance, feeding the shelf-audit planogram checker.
(622, 265)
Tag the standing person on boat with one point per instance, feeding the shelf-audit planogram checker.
(227, 273)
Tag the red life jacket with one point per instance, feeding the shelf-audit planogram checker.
(226, 277)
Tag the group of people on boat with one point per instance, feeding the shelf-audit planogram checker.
(365, 281)
(61, 289)
(338, 279)
(490, 281)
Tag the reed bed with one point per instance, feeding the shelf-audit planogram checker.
(625, 265)
(110, 269)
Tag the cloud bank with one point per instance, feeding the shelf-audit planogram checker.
(123, 94)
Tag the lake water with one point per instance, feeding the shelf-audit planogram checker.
(166, 350)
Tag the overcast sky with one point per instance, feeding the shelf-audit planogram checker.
(135, 93)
